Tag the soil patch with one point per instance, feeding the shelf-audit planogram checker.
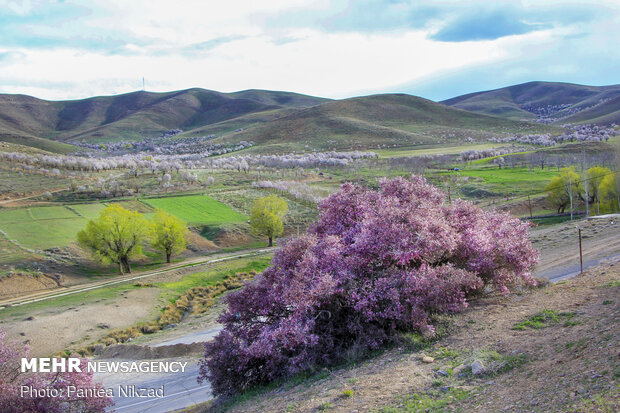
(51, 331)
(16, 284)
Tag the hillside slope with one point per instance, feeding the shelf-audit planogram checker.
(134, 115)
(379, 121)
(556, 102)
(568, 362)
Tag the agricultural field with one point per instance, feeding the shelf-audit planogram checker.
(197, 209)
(39, 228)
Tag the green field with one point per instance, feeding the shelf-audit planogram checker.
(46, 227)
(500, 182)
(197, 209)
(89, 211)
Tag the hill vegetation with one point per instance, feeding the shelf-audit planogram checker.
(391, 120)
(27, 120)
(546, 101)
(277, 121)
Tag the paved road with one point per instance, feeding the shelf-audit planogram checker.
(563, 273)
(180, 390)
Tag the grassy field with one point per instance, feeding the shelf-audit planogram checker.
(197, 209)
(501, 182)
(89, 211)
(434, 150)
(11, 253)
(46, 227)
(212, 275)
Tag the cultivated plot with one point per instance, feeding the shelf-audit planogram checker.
(197, 209)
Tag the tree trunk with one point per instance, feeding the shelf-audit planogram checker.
(126, 265)
(120, 267)
(168, 257)
(270, 241)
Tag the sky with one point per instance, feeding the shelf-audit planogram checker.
(71, 49)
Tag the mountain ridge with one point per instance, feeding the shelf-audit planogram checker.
(290, 121)
(555, 102)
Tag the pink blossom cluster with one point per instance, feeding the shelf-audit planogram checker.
(377, 263)
(45, 392)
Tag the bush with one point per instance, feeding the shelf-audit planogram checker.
(40, 400)
(377, 263)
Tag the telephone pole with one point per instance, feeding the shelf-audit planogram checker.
(580, 253)
(570, 191)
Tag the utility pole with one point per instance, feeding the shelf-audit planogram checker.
(585, 181)
(570, 191)
(580, 253)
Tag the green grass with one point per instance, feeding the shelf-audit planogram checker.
(551, 220)
(433, 150)
(505, 181)
(25, 183)
(11, 253)
(89, 211)
(197, 209)
(431, 401)
(171, 290)
(215, 274)
(57, 226)
(52, 212)
(41, 227)
(544, 319)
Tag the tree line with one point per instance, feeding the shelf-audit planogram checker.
(117, 235)
(598, 186)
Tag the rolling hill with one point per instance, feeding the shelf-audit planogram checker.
(390, 120)
(34, 122)
(556, 102)
(284, 121)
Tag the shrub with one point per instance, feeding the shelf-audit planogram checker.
(377, 263)
(11, 380)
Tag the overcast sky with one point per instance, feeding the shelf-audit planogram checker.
(436, 49)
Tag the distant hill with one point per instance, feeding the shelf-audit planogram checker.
(556, 102)
(30, 121)
(284, 121)
(378, 121)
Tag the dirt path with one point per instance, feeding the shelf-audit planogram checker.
(16, 200)
(46, 295)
